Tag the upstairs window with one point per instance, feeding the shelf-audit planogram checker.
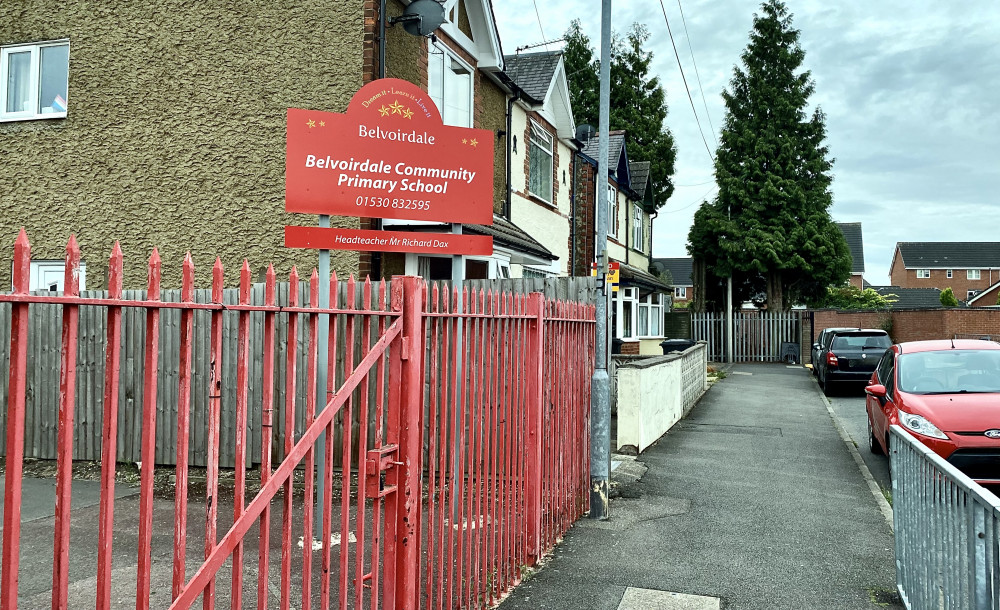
(948, 274)
(449, 83)
(612, 209)
(638, 241)
(923, 274)
(680, 292)
(540, 163)
(972, 274)
(33, 81)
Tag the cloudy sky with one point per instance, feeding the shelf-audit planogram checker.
(910, 89)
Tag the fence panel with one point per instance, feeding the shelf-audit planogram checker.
(947, 531)
(757, 336)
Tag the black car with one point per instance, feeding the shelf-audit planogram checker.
(823, 342)
(850, 357)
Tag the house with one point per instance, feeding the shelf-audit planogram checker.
(161, 126)
(468, 79)
(987, 298)
(855, 243)
(968, 268)
(641, 300)
(681, 273)
(542, 147)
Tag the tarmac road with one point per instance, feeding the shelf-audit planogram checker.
(849, 407)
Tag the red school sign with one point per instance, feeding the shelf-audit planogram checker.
(388, 156)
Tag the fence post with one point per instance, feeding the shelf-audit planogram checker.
(16, 406)
(411, 394)
(535, 378)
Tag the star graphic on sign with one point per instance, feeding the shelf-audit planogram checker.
(465, 140)
(473, 142)
(396, 107)
(322, 123)
(408, 113)
(383, 110)
(311, 123)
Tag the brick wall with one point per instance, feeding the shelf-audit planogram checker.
(907, 325)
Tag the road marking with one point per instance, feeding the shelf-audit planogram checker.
(740, 373)
(651, 599)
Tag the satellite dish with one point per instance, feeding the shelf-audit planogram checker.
(584, 132)
(422, 17)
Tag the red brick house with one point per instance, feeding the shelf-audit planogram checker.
(680, 270)
(968, 268)
(853, 236)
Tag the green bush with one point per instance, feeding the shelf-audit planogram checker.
(948, 298)
(852, 297)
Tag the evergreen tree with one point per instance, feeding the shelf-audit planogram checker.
(769, 225)
(582, 75)
(637, 100)
(948, 298)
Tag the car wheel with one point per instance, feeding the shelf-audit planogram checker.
(872, 441)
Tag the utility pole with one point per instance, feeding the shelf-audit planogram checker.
(600, 394)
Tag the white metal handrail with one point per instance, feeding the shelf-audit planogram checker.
(947, 531)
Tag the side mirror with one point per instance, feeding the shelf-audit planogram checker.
(877, 390)
(815, 345)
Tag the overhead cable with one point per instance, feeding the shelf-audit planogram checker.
(697, 75)
(686, 88)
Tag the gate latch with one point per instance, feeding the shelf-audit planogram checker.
(379, 460)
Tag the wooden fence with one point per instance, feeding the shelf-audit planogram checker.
(45, 348)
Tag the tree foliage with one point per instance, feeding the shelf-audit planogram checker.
(852, 297)
(637, 103)
(769, 226)
(948, 298)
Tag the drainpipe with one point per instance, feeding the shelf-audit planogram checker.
(510, 120)
(572, 215)
(377, 256)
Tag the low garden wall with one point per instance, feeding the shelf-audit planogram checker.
(653, 394)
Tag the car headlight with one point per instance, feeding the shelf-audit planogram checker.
(920, 425)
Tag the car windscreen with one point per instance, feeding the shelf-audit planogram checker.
(949, 372)
(859, 341)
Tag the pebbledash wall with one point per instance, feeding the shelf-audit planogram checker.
(907, 325)
(175, 133)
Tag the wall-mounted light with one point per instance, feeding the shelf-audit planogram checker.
(564, 176)
(514, 147)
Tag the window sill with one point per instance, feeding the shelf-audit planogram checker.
(37, 117)
(538, 199)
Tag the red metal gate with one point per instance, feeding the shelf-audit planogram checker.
(482, 409)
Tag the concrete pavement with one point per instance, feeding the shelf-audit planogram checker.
(754, 501)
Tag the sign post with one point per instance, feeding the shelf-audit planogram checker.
(389, 156)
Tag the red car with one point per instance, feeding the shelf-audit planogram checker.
(946, 394)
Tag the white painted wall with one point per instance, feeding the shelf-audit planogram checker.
(650, 396)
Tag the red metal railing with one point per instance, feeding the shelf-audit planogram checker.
(507, 413)
(481, 408)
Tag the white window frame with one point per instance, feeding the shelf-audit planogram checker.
(33, 84)
(973, 274)
(654, 315)
(971, 294)
(612, 210)
(49, 274)
(638, 232)
(437, 51)
(923, 274)
(949, 274)
(537, 136)
(629, 298)
(680, 292)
